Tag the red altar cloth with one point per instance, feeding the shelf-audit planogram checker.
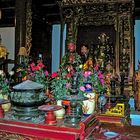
(29, 131)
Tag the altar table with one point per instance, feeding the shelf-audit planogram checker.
(89, 129)
(19, 130)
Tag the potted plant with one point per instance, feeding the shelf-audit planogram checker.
(5, 89)
(35, 72)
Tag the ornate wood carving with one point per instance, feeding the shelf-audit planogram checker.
(75, 2)
(108, 12)
(12, 136)
(20, 26)
(23, 25)
(28, 37)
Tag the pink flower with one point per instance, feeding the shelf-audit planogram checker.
(82, 88)
(99, 73)
(68, 75)
(33, 69)
(96, 67)
(46, 73)
(87, 73)
(41, 65)
(32, 65)
(32, 75)
(88, 85)
(102, 81)
(101, 76)
(68, 85)
(54, 74)
(37, 68)
(28, 69)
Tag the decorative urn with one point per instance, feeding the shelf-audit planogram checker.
(25, 99)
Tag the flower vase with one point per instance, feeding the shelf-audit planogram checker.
(89, 104)
(59, 113)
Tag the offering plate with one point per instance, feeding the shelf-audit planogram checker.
(50, 118)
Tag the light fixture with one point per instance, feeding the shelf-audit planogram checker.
(22, 54)
(22, 51)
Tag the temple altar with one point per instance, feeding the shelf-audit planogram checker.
(23, 130)
(112, 49)
(89, 128)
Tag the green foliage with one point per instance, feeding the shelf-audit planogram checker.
(4, 85)
(75, 64)
(59, 85)
(62, 79)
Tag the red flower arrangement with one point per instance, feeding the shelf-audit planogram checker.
(62, 79)
(38, 73)
(61, 83)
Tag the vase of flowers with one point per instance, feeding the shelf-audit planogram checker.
(92, 82)
(4, 90)
(89, 104)
(37, 72)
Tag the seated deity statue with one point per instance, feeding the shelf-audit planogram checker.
(104, 51)
(86, 58)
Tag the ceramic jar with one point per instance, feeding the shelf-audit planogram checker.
(6, 107)
(59, 113)
(89, 104)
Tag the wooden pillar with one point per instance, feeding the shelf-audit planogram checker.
(23, 22)
(20, 25)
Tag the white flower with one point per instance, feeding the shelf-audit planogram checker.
(1, 72)
(11, 73)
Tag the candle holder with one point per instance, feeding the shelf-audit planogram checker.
(73, 118)
(50, 117)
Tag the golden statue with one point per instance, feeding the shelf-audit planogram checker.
(104, 51)
(3, 50)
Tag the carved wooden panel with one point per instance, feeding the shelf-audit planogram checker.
(116, 13)
(13, 136)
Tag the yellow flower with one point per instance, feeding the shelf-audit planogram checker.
(81, 66)
(88, 64)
